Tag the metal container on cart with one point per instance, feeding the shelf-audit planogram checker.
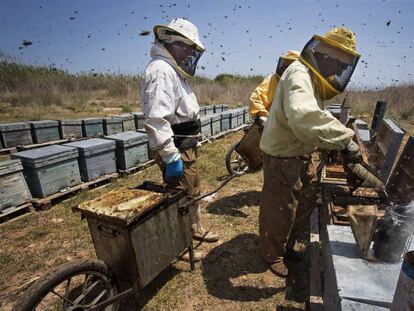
(96, 157)
(131, 149)
(44, 131)
(112, 126)
(15, 134)
(128, 122)
(70, 128)
(138, 232)
(49, 169)
(92, 127)
(13, 191)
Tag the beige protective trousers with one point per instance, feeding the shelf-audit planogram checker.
(190, 181)
(288, 198)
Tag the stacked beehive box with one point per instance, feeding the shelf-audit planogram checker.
(49, 169)
(70, 128)
(13, 191)
(96, 157)
(112, 126)
(92, 127)
(16, 134)
(131, 149)
(128, 122)
(45, 131)
(139, 120)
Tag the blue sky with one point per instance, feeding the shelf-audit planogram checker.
(250, 35)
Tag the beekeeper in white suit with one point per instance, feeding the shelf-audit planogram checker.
(171, 111)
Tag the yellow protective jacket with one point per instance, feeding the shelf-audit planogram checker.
(262, 97)
(298, 122)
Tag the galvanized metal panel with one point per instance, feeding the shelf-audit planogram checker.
(70, 128)
(16, 134)
(112, 126)
(358, 278)
(92, 127)
(44, 131)
(159, 241)
(13, 188)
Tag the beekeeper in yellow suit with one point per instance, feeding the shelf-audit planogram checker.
(262, 96)
(298, 124)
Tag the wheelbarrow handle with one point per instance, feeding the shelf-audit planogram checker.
(196, 199)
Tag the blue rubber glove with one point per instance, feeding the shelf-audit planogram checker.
(174, 170)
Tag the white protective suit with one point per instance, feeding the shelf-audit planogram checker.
(167, 99)
(298, 121)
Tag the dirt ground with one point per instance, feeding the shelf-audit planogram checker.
(232, 275)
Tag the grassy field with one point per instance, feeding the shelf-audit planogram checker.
(232, 275)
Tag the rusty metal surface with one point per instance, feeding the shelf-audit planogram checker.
(122, 204)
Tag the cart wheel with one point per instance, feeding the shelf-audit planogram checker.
(234, 162)
(74, 286)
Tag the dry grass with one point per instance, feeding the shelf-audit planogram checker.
(34, 93)
(231, 277)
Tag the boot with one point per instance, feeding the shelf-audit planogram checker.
(205, 236)
(279, 268)
(293, 256)
(202, 235)
(198, 256)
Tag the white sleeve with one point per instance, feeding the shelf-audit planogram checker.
(158, 98)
